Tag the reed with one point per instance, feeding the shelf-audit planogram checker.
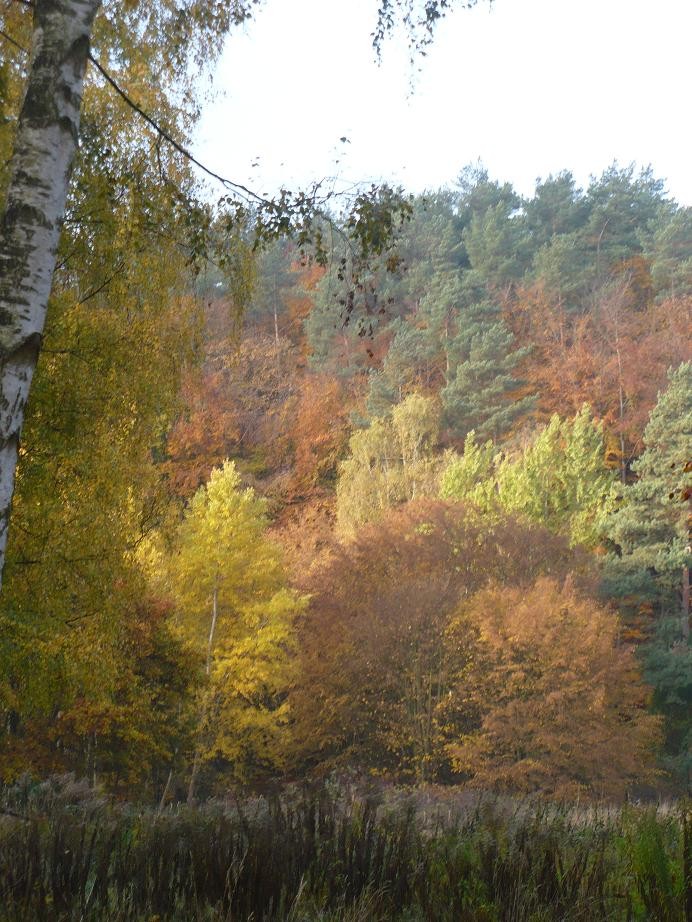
(329, 854)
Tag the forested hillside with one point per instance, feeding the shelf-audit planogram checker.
(430, 524)
(344, 532)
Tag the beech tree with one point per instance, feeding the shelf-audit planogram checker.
(613, 356)
(381, 683)
(556, 704)
(318, 431)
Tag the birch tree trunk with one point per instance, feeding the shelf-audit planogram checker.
(45, 145)
(210, 650)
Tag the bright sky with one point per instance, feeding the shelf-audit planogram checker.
(528, 86)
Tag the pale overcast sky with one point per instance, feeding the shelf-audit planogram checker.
(529, 87)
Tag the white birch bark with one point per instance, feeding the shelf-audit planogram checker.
(45, 145)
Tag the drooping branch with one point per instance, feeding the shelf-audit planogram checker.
(45, 145)
(227, 183)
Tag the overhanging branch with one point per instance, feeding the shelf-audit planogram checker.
(227, 183)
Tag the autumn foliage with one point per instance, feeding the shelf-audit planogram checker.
(228, 560)
(613, 357)
(439, 647)
(558, 701)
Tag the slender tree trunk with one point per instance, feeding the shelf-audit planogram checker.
(93, 764)
(212, 629)
(193, 779)
(685, 613)
(621, 398)
(598, 251)
(210, 649)
(45, 145)
(164, 795)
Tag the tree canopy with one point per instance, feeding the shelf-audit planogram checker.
(288, 499)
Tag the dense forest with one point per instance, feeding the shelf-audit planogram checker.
(432, 526)
(391, 499)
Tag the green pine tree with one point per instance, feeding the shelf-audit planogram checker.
(667, 244)
(479, 393)
(498, 246)
(557, 208)
(650, 529)
(620, 203)
(409, 365)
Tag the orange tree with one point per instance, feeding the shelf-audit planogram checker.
(558, 704)
(439, 646)
(380, 682)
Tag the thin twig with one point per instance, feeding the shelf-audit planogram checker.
(95, 291)
(13, 41)
(227, 183)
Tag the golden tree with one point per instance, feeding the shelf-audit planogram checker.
(233, 603)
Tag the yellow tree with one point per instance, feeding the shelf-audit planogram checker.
(390, 462)
(230, 589)
(88, 489)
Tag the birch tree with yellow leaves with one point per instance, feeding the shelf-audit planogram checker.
(233, 602)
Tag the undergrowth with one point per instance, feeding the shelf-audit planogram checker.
(331, 854)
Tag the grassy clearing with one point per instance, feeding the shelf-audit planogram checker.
(332, 854)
